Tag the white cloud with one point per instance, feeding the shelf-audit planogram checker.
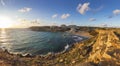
(55, 15)
(25, 9)
(116, 12)
(65, 16)
(92, 19)
(83, 8)
(2, 2)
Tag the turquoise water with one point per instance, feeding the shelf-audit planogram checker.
(25, 41)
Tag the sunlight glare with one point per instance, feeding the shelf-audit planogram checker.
(5, 22)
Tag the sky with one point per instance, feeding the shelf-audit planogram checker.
(26, 13)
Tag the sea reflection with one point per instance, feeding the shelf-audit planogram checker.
(4, 39)
(2, 33)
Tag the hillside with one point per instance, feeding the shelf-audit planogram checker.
(105, 50)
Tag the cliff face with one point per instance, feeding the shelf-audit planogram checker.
(105, 50)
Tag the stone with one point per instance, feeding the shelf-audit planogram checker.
(61, 60)
(73, 62)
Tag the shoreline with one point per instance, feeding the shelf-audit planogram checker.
(84, 36)
(5, 55)
(81, 33)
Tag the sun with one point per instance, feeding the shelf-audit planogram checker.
(5, 22)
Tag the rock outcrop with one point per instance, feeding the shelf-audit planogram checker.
(105, 50)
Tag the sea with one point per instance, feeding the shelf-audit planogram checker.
(26, 41)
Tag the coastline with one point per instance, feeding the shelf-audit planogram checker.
(5, 55)
(84, 53)
(82, 33)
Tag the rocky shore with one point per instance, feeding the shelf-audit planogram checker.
(100, 50)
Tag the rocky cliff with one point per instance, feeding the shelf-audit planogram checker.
(105, 50)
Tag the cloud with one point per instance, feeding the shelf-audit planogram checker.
(23, 20)
(55, 15)
(116, 12)
(83, 8)
(97, 9)
(92, 19)
(65, 16)
(2, 2)
(104, 25)
(35, 21)
(25, 9)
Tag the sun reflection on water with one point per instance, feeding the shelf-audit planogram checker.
(4, 39)
(2, 33)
